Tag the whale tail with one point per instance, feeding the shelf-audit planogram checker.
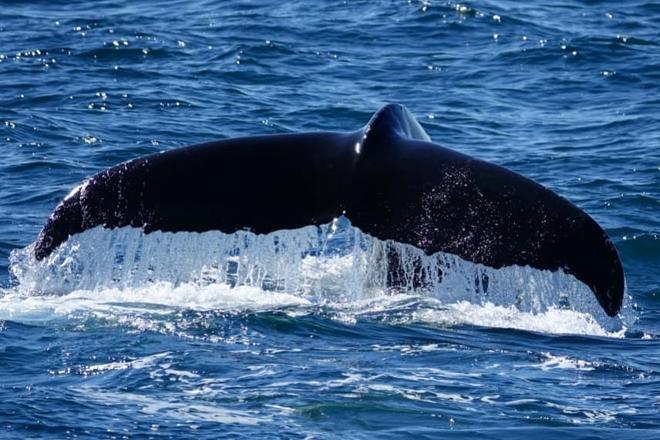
(387, 178)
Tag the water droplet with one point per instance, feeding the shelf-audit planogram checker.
(462, 9)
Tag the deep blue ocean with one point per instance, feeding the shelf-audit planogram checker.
(565, 92)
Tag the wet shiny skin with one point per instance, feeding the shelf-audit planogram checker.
(564, 93)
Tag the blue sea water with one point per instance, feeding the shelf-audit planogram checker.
(565, 92)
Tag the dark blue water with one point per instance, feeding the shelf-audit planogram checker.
(565, 92)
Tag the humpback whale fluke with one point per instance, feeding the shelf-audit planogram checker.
(387, 178)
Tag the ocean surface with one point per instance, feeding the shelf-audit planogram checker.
(184, 340)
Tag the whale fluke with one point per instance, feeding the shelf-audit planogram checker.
(387, 178)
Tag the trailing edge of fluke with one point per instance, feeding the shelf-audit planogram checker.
(387, 178)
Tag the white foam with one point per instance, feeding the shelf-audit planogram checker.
(553, 320)
(336, 266)
(14, 306)
(138, 363)
(566, 363)
(187, 411)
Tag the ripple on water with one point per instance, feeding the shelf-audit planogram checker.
(565, 93)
